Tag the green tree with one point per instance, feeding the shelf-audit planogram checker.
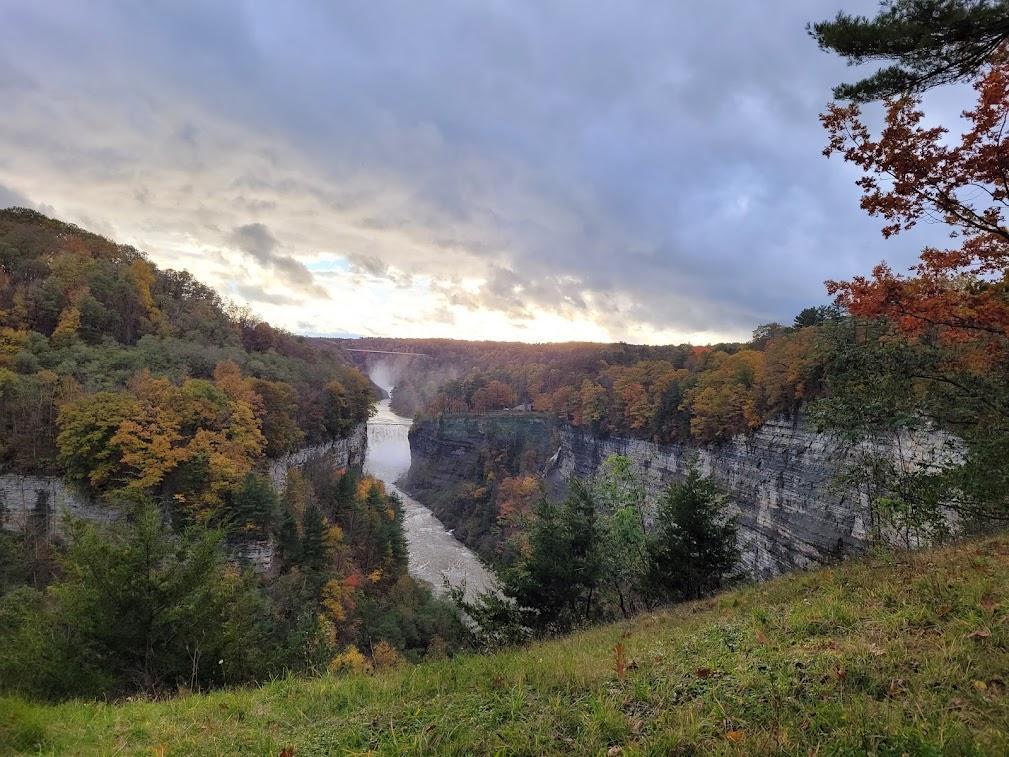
(253, 507)
(814, 316)
(693, 543)
(932, 42)
(621, 499)
(558, 582)
(313, 544)
(887, 398)
(154, 609)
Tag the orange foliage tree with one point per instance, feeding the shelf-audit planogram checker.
(915, 172)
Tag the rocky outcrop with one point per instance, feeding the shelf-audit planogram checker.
(345, 453)
(48, 501)
(780, 481)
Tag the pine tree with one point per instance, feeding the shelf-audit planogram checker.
(313, 548)
(932, 42)
(253, 507)
(288, 540)
(560, 578)
(693, 544)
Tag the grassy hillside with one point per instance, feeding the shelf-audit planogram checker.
(889, 656)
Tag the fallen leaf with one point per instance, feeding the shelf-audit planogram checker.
(761, 637)
(703, 672)
(981, 633)
(735, 736)
(989, 604)
(619, 661)
(980, 685)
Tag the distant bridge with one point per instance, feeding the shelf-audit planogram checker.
(387, 352)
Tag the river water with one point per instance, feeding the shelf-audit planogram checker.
(434, 553)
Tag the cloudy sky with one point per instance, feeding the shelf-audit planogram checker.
(642, 171)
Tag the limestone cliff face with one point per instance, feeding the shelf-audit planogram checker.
(49, 500)
(779, 482)
(345, 453)
(779, 479)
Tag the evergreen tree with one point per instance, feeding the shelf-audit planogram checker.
(152, 609)
(313, 546)
(932, 42)
(693, 544)
(558, 581)
(252, 507)
(288, 540)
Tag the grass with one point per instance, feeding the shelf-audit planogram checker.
(887, 655)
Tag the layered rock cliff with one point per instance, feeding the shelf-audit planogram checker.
(49, 501)
(780, 481)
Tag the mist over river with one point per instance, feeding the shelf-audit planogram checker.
(434, 553)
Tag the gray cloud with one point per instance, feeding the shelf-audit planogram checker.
(257, 241)
(10, 198)
(648, 168)
(254, 293)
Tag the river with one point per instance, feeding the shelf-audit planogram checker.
(434, 553)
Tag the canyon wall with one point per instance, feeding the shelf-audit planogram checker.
(50, 501)
(779, 480)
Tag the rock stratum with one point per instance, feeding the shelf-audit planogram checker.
(49, 501)
(780, 479)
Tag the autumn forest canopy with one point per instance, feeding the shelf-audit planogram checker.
(128, 378)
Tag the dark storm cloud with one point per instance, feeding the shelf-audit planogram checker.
(639, 164)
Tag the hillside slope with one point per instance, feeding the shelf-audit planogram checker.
(906, 656)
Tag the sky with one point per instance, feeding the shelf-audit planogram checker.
(524, 170)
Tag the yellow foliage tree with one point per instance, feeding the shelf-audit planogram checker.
(141, 275)
(350, 661)
(385, 655)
